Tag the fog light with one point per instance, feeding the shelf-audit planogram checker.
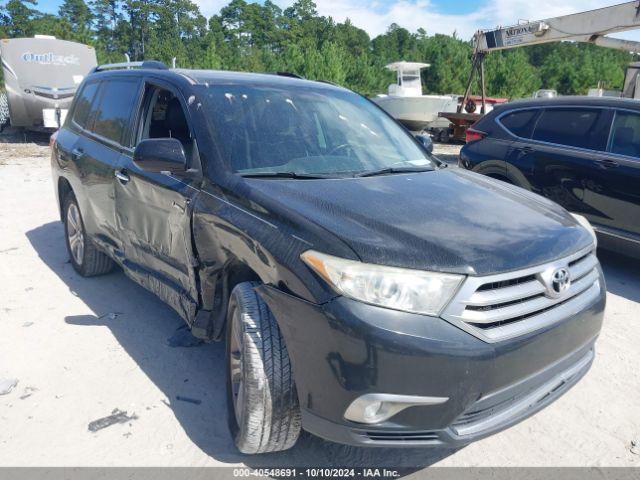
(372, 410)
(378, 407)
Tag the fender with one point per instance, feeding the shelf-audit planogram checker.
(234, 245)
(508, 172)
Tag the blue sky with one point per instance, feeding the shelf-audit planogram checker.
(435, 16)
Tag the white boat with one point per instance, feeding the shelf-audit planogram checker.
(545, 93)
(406, 103)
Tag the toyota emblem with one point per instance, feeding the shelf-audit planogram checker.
(560, 282)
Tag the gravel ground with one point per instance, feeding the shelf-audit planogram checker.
(447, 152)
(81, 348)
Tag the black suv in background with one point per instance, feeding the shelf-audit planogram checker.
(364, 292)
(581, 152)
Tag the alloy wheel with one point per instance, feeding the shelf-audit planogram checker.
(75, 234)
(235, 366)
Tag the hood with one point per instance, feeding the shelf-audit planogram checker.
(446, 220)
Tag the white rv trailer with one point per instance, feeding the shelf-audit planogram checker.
(41, 76)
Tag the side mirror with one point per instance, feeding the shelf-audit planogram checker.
(425, 140)
(160, 155)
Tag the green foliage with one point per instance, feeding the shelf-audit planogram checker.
(573, 69)
(450, 61)
(78, 16)
(252, 36)
(509, 74)
(19, 16)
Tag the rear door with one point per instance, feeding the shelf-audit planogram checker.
(154, 209)
(565, 143)
(98, 154)
(615, 190)
(520, 124)
(71, 143)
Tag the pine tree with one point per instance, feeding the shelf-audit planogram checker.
(111, 32)
(79, 18)
(19, 16)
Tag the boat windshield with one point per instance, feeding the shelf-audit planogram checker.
(300, 132)
(406, 78)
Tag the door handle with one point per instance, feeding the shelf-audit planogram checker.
(122, 176)
(607, 163)
(525, 150)
(77, 153)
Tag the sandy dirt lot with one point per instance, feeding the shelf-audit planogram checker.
(81, 348)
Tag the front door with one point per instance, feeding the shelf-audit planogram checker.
(154, 209)
(566, 143)
(615, 190)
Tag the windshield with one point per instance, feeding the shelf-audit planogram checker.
(306, 131)
(410, 78)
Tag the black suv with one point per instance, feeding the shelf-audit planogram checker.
(365, 293)
(581, 152)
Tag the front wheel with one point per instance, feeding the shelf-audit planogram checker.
(263, 409)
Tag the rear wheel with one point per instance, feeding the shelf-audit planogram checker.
(502, 178)
(443, 136)
(264, 414)
(86, 259)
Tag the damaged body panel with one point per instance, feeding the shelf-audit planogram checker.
(154, 219)
(142, 219)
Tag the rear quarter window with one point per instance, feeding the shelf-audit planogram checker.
(117, 101)
(83, 105)
(574, 127)
(520, 123)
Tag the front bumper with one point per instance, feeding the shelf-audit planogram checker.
(345, 349)
(481, 419)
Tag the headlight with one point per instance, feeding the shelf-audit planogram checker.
(397, 288)
(585, 223)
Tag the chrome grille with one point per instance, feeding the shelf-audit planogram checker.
(55, 93)
(503, 306)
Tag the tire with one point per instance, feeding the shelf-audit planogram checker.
(86, 259)
(4, 110)
(263, 409)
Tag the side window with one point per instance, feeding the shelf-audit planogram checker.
(165, 118)
(520, 123)
(625, 134)
(83, 105)
(574, 127)
(117, 101)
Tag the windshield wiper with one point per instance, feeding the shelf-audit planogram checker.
(392, 170)
(302, 176)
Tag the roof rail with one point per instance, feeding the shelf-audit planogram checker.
(289, 74)
(328, 82)
(151, 64)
